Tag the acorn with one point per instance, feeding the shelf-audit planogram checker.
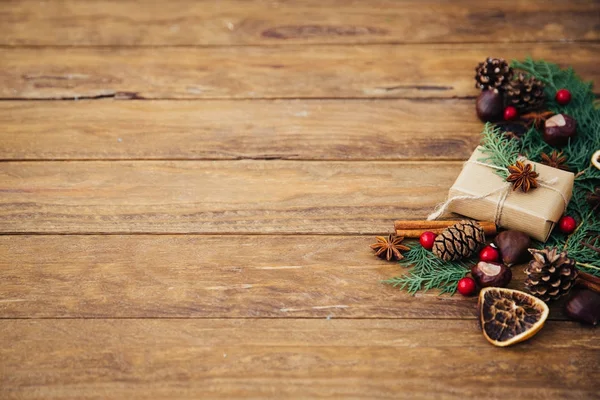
(488, 274)
(490, 106)
(559, 129)
(513, 246)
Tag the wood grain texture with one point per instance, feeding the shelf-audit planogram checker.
(211, 277)
(413, 359)
(414, 71)
(218, 196)
(285, 129)
(237, 22)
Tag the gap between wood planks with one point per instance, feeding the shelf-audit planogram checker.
(257, 158)
(292, 44)
(120, 96)
(316, 318)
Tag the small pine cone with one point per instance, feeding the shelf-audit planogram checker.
(493, 74)
(550, 274)
(525, 93)
(459, 241)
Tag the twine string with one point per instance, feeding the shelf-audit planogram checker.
(504, 190)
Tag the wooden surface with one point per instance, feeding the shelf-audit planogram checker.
(308, 71)
(210, 276)
(238, 22)
(196, 224)
(354, 129)
(258, 358)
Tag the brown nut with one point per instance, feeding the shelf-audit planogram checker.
(488, 274)
(490, 106)
(584, 306)
(513, 246)
(559, 129)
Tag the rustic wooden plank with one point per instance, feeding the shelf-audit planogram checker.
(217, 129)
(420, 71)
(235, 22)
(140, 359)
(218, 196)
(211, 277)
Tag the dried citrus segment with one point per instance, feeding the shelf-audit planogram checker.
(509, 316)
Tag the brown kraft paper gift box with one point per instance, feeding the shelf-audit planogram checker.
(535, 212)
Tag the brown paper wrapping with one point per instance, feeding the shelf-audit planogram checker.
(535, 212)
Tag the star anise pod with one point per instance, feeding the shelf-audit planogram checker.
(389, 247)
(522, 176)
(555, 160)
(593, 199)
(536, 119)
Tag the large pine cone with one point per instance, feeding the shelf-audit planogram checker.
(493, 74)
(525, 93)
(459, 241)
(550, 274)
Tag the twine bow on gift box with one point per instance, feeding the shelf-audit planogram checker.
(504, 191)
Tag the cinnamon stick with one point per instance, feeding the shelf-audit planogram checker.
(588, 281)
(414, 229)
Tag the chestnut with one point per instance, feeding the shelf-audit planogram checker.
(488, 274)
(513, 246)
(559, 129)
(490, 106)
(584, 306)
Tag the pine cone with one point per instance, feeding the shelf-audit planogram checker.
(460, 240)
(550, 274)
(525, 93)
(493, 74)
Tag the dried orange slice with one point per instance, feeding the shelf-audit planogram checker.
(510, 316)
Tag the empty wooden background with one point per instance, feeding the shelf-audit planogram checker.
(188, 190)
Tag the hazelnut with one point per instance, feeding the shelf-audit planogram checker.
(584, 306)
(559, 129)
(490, 106)
(513, 246)
(488, 274)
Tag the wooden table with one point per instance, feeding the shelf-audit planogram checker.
(189, 189)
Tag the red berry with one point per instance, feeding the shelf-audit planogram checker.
(466, 286)
(567, 224)
(427, 239)
(563, 97)
(510, 113)
(489, 254)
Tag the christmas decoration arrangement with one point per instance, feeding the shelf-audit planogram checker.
(529, 196)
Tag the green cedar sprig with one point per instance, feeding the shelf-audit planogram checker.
(498, 149)
(429, 272)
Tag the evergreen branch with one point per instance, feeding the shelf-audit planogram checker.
(499, 150)
(428, 272)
